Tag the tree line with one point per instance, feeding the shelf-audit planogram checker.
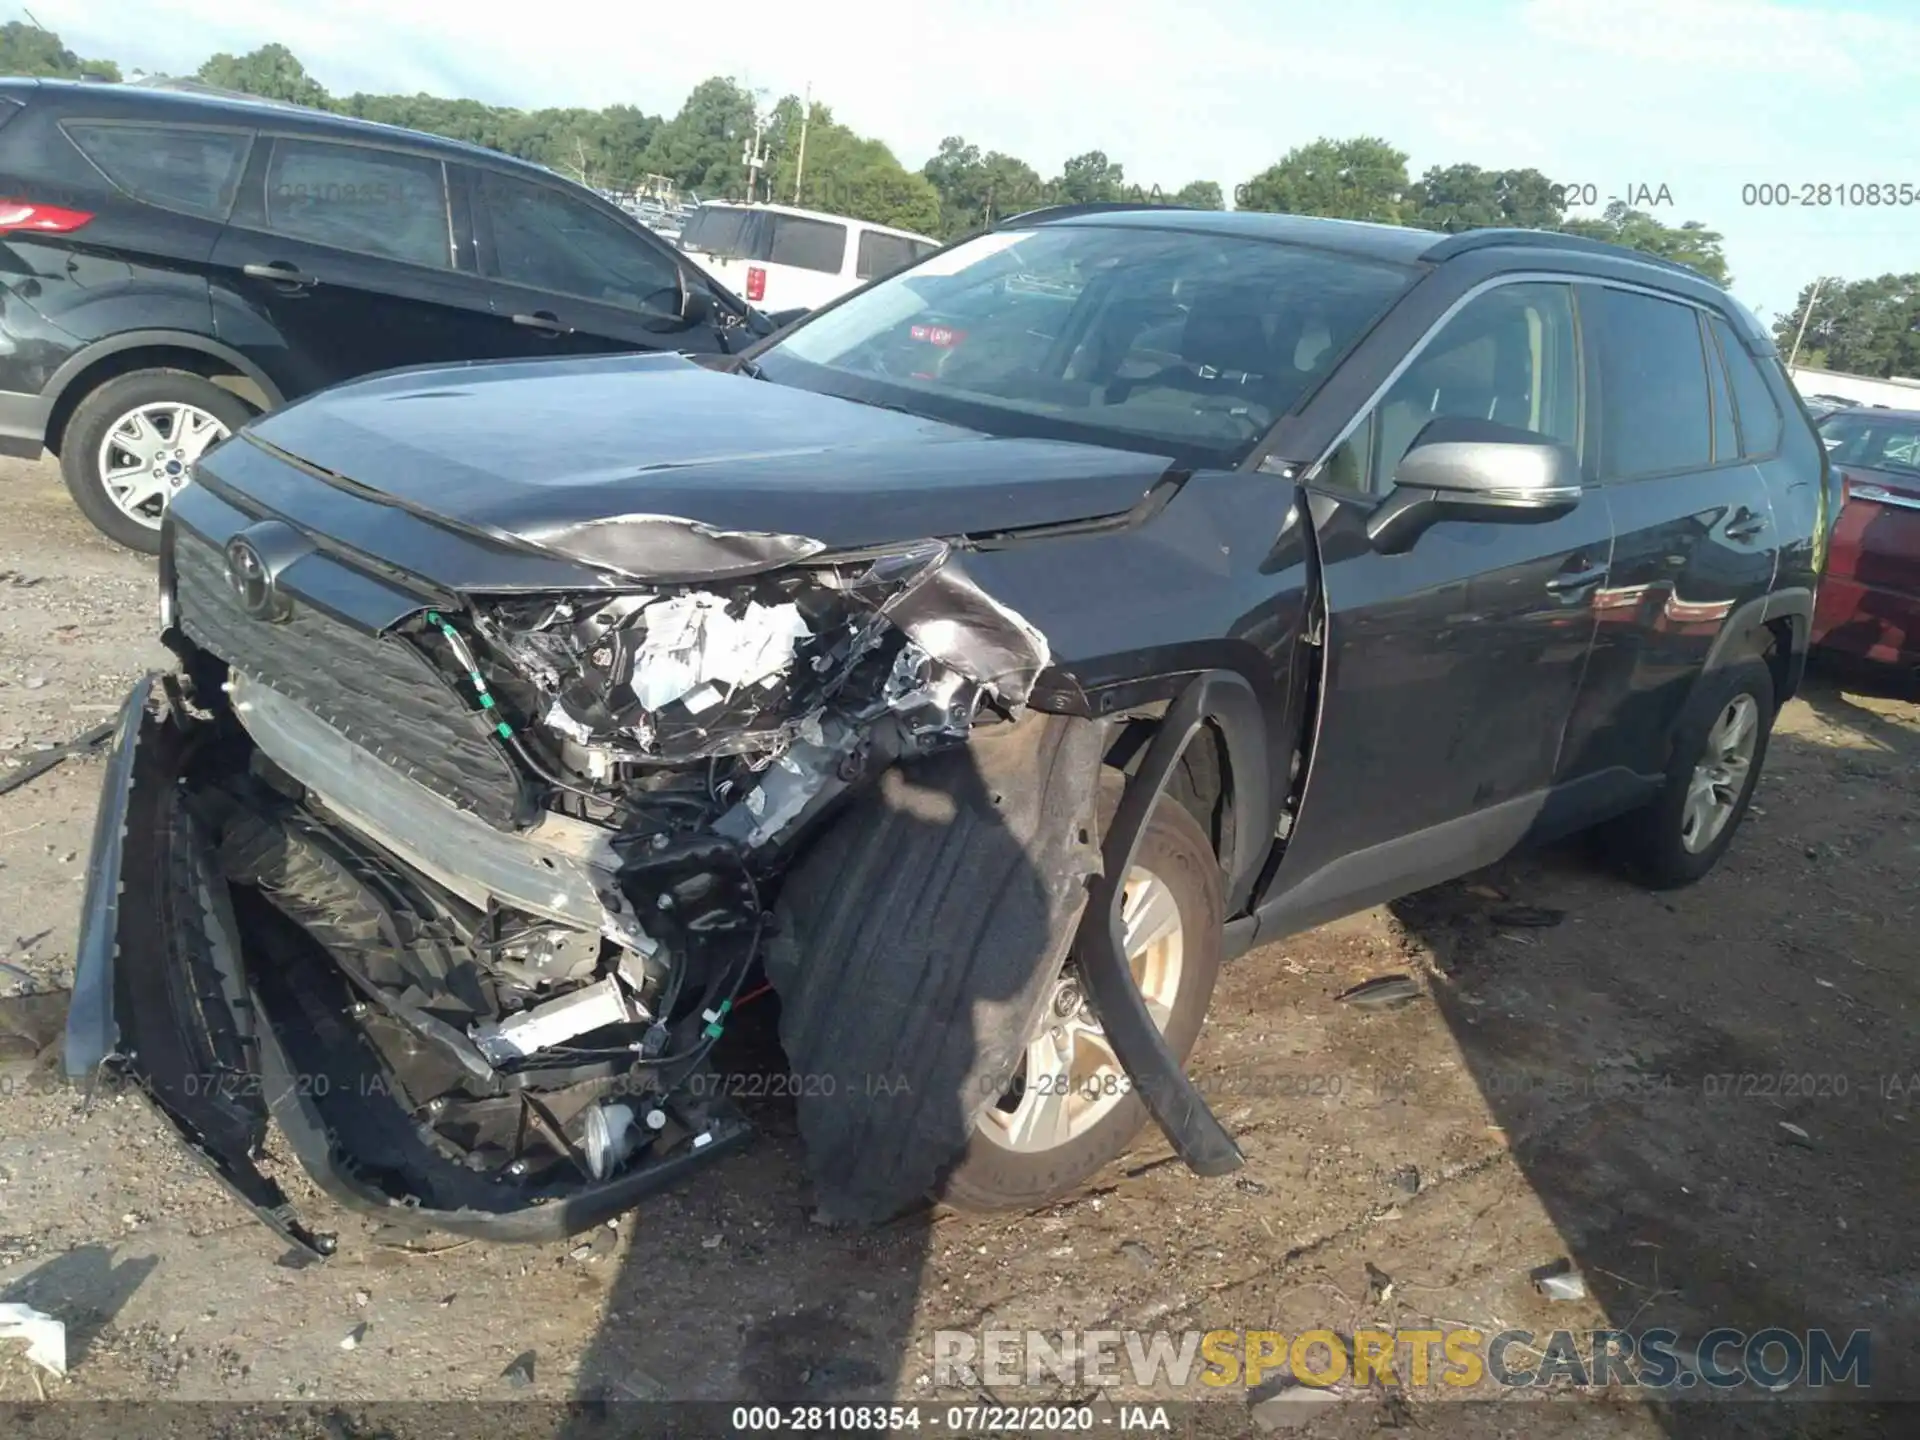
(1870, 327)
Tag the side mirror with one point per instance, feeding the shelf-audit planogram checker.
(696, 305)
(1461, 468)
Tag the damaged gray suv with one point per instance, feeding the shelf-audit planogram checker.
(983, 661)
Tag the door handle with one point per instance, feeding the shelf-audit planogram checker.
(544, 321)
(281, 273)
(1745, 524)
(1576, 580)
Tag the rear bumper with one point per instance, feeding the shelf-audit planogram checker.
(174, 989)
(23, 424)
(1865, 622)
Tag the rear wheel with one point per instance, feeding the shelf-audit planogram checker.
(132, 443)
(1070, 1109)
(1717, 755)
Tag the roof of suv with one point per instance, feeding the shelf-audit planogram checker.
(153, 103)
(1358, 237)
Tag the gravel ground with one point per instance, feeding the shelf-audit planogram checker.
(1546, 1096)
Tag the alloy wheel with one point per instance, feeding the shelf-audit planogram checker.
(1070, 1079)
(1720, 778)
(149, 452)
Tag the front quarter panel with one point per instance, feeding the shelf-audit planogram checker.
(1219, 579)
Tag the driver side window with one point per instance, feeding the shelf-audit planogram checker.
(1510, 355)
(547, 240)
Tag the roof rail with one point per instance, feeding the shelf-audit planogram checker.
(1494, 236)
(1092, 207)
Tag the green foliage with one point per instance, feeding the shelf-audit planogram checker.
(1868, 327)
(1087, 180)
(1690, 243)
(846, 173)
(1465, 197)
(1358, 179)
(975, 190)
(272, 72)
(28, 50)
(700, 149)
(1199, 195)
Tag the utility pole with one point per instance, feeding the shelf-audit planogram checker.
(754, 157)
(800, 163)
(1805, 315)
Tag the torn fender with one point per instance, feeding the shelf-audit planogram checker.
(917, 939)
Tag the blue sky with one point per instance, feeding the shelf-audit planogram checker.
(1701, 96)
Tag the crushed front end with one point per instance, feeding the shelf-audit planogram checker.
(457, 872)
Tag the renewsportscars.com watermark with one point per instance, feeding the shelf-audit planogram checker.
(1772, 1359)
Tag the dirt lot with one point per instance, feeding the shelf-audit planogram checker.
(1547, 1096)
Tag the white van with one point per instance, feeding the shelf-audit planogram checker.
(781, 258)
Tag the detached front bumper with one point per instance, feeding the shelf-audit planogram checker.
(196, 991)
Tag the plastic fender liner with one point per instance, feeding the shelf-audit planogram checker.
(158, 990)
(1172, 1099)
(918, 938)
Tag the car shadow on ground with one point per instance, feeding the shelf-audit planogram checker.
(1711, 1091)
(84, 1288)
(1702, 1088)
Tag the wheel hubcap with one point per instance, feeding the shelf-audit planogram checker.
(1070, 1079)
(1721, 776)
(149, 452)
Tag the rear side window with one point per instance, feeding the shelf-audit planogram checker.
(352, 197)
(1726, 436)
(719, 232)
(1655, 415)
(551, 241)
(1760, 418)
(177, 168)
(1875, 443)
(881, 253)
(807, 244)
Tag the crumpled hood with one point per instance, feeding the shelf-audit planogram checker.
(536, 447)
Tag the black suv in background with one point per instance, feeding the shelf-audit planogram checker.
(172, 264)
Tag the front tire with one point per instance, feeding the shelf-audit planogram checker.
(1070, 1110)
(132, 443)
(1717, 754)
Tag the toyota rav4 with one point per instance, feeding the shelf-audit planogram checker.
(983, 660)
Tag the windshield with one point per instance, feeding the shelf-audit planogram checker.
(1889, 440)
(1185, 344)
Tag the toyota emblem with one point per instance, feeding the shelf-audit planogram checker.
(251, 581)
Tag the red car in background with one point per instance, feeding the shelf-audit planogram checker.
(1869, 606)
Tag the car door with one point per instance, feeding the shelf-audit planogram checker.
(1451, 669)
(567, 277)
(339, 260)
(1694, 526)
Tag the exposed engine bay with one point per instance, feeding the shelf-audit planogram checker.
(535, 997)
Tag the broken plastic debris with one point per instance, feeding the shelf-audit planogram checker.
(691, 641)
(1381, 992)
(354, 1337)
(519, 1374)
(46, 1337)
(591, 1007)
(1560, 1281)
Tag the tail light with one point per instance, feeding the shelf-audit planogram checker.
(46, 219)
(756, 283)
(1846, 489)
